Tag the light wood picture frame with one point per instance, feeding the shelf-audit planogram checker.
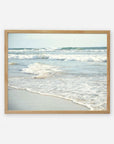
(63, 62)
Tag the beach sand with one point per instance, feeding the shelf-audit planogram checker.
(24, 100)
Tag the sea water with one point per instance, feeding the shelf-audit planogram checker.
(73, 73)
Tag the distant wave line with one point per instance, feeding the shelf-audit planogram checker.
(60, 48)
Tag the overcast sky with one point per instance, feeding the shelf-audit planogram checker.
(20, 40)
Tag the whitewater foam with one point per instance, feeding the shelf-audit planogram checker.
(41, 70)
(65, 57)
(22, 56)
(91, 58)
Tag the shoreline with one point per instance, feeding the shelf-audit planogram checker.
(25, 100)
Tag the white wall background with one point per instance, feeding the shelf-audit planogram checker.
(56, 14)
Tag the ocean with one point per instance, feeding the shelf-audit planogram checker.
(73, 73)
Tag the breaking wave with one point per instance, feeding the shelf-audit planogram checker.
(41, 70)
(86, 58)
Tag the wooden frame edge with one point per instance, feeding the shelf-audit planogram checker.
(60, 31)
(6, 70)
(108, 71)
(56, 112)
(56, 31)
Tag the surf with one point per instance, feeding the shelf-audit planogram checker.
(41, 70)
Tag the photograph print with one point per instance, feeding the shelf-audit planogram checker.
(57, 71)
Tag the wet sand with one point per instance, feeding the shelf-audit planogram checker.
(24, 100)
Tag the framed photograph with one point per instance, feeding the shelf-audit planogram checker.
(57, 72)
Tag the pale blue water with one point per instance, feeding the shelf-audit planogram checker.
(78, 74)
